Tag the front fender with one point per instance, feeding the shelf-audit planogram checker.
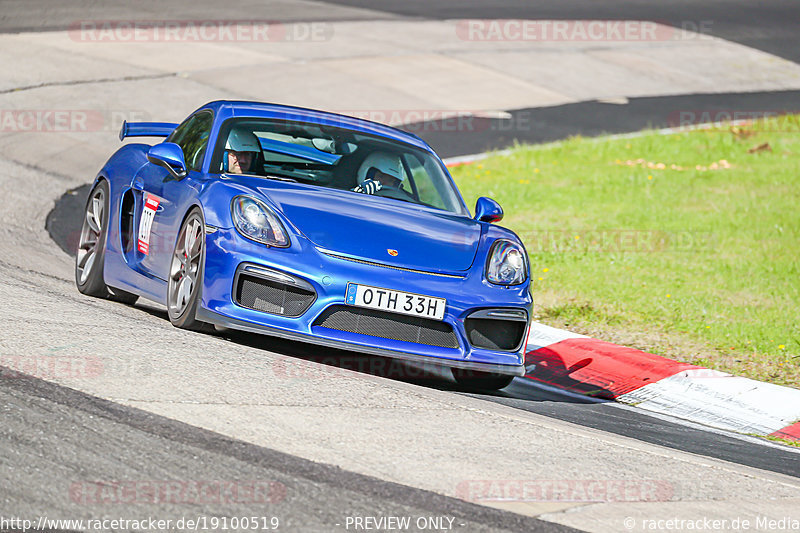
(216, 198)
(491, 234)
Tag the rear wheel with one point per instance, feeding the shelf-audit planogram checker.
(90, 256)
(475, 380)
(184, 289)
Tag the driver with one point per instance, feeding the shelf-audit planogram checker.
(379, 170)
(241, 151)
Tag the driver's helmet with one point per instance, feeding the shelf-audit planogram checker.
(240, 140)
(383, 162)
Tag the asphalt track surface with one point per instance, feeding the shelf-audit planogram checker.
(84, 428)
(592, 118)
(100, 440)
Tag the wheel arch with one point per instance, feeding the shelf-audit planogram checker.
(191, 207)
(195, 204)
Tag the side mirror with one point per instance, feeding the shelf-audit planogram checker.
(169, 156)
(487, 210)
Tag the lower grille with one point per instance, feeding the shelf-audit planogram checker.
(272, 297)
(388, 326)
(504, 335)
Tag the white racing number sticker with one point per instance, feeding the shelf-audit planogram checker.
(146, 222)
(405, 303)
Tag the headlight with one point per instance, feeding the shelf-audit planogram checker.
(507, 264)
(256, 221)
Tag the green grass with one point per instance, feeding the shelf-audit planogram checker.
(780, 440)
(699, 265)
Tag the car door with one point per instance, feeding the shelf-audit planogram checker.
(163, 198)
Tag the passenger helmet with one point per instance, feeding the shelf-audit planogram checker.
(384, 162)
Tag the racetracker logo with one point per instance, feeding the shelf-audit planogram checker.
(421, 121)
(616, 241)
(178, 492)
(148, 31)
(51, 366)
(348, 367)
(51, 120)
(565, 490)
(580, 30)
(57, 365)
(66, 120)
(693, 118)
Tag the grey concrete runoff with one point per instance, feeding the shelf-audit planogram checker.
(767, 26)
(392, 433)
(44, 15)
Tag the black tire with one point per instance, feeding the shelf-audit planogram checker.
(187, 266)
(475, 380)
(91, 252)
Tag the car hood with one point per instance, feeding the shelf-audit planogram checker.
(378, 229)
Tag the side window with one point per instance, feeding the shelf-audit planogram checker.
(192, 137)
(426, 188)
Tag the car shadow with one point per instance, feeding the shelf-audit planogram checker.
(423, 374)
(548, 368)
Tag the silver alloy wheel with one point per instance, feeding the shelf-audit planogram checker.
(91, 233)
(185, 266)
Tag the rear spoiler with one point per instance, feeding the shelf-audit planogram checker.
(145, 129)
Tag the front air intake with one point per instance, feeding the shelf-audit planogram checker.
(388, 326)
(279, 294)
(497, 329)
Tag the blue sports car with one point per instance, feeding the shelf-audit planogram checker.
(310, 226)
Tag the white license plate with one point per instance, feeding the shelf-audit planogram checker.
(405, 303)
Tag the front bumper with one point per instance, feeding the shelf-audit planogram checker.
(226, 250)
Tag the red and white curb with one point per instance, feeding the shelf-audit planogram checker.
(603, 370)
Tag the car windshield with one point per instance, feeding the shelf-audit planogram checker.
(337, 158)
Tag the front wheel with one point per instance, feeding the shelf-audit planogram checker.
(475, 380)
(184, 289)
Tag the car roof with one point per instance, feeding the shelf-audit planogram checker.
(236, 108)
